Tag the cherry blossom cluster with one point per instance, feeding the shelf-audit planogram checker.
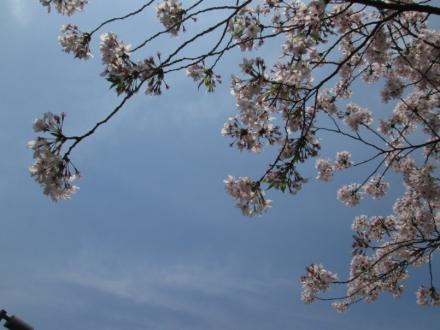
(248, 195)
(52, 171)
(170, 13)
(65, 7)
(115, 55)
(74, 41)
(124, 74)
(343, 160)
(316, 280)
(245, 28)
(252, 128)
(376, 188)
(356, 116)
(351, 194)
(204, 76)
(326, 168)
(384, 246)
(429, 296)
(196, 71)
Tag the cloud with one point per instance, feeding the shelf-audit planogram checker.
(194, 290)
(20, 11)
(145, 285)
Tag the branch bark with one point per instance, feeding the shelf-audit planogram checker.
(399, 6)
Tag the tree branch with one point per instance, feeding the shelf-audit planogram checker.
(401, 7)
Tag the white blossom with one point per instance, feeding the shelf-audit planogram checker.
(50, 169)
(74, 41)
(195, 71)
(375, 187)
(341, 306)
(355, 116)
(248, 195)
(343, 160)
(427, 296)
(350, 194)
(316, 280)
(65, 7)
(114, 52)
(170, 13)
(325, 170)
(245, 28)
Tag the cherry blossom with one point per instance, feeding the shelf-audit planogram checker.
(288, 103)
(343, 160)
(428, 296)
(196, 71)
(316, 280)
(65, 7)
(170, 13)
(350, 195)
(52, 171)
(375, 187)
(248, 195)
(74, 41)
(245, 27)
(356, 116)
(124, 74)
(325, 170)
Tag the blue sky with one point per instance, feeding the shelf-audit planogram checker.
(151, 240)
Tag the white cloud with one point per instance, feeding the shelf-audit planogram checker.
(178, 287)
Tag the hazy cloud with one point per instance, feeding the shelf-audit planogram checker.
(21, 11)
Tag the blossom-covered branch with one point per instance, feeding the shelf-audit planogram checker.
(325, 48)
